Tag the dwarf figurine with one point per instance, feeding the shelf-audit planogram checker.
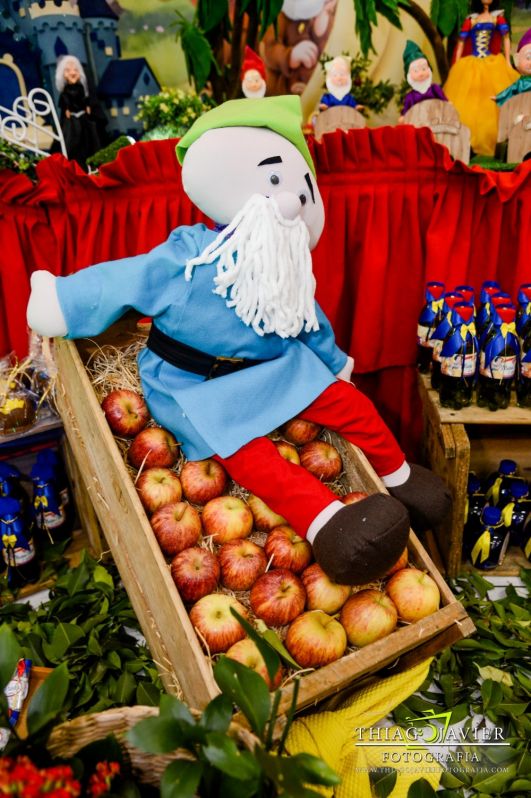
(253, 74)
(339, 84)
(522, 62)
(238, 343)
(419, 76)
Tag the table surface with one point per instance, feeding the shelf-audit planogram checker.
(474, 414)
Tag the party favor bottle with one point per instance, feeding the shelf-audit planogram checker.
(497, 361)
(498, 484)
(440, 333)
(523, 373)
(428, 320)
(51, 459)
(18, 548)
(475, 503)
(458, 359)
(491, 544)
(488, 288)
(523, 312)
(50, 514)
(517, 510)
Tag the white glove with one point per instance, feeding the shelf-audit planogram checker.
(346, 372)
(44, 314)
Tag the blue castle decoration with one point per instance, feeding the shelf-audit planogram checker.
(34, 33)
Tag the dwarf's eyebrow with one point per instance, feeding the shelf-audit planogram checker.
(273, 159)
(308, 180)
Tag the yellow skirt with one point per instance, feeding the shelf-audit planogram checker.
(471, 84)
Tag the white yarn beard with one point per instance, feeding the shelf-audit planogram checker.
(265, 266)
(421, 85)
(338, 91)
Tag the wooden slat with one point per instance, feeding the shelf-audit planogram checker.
(477, 415)
(145, 574)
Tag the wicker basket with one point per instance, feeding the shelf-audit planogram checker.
(68, 738)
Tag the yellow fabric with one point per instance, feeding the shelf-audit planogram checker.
(481, 548)
(334, 737)
(470, 85)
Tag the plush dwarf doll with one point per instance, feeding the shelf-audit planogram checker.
(253, 74)
(239, 345)
(522, 62)
(339, 84)
(419, 76)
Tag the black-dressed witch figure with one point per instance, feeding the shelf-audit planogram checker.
(79, 123)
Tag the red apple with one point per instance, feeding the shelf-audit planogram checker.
(195, 571)
(315, 639)
(218, 627)
(299, 431)
(176, 526)
(246, 652)
(242, 562)
(288, 451)
(322, 460)
(367, 616)
(414, 593)
(126, 412)
(157, 487)
(399, 564)
(322, 593)
(287, 549)
(227, 518)
(265, 519)
(154, 447)
(353, 497)
(203, 480)
(277, 597)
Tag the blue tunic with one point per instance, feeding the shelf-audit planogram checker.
(330, 101)
(206, 416)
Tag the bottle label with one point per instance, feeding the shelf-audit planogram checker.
(499, 368)
(526, 370)
(18, 555)
(424, 335)
(437, 348)
(457, 366)
(49, 520)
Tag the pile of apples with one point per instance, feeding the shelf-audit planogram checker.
(205, 532)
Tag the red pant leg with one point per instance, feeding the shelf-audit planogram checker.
(288, 489)
(344, 409)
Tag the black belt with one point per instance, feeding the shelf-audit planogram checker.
(189, 359)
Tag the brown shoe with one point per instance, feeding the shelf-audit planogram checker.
(425, 496)
(363, 540)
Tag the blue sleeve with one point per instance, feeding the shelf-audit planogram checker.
(94, 298)
(323, 343)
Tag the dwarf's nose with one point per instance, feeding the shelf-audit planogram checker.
(289, 204)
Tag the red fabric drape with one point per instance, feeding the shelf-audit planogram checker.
(399, 212)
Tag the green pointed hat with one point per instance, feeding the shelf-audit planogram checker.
(412, 52)
(281, 114)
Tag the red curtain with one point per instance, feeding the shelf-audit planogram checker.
(399, 212)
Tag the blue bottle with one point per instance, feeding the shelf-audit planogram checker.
(428, 320)
(459, 359)
(18, 548)
(491, 543)
(441, 331)
(517, 510)
(499, 351)
(498, 484)
(488, 288)
(49, 512)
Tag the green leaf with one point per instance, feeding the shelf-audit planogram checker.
(102, 576)
(211, 13)
(271, 637)
(497, 675)
(222, 752)
(64, 636)
(157, 735)
(246, 689)
(147, 695)
(48, 701)
(172, 708)
(491, 693)
(75, 580)
(269, 655)
(421, 788)
(10, 654)
(495, 782)
(217, 714)
(453, 781)
(520, 785)
(197, 52)
(181, 779)
(316, 771)
(125, 689)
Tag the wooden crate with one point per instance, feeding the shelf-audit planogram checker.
(471, 439)
(146, 576)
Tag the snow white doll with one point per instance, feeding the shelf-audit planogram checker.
(482, 68)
